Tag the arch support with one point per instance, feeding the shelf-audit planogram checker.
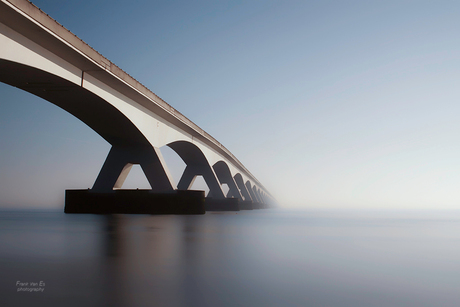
(120, 161)
(259, 196)
(256, 195)
(251, 192)
(240, 183)
(197, 165)
(225, 176)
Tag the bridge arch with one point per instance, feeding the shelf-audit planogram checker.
(97, 113)
(129, 145)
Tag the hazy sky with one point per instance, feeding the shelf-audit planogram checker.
(340, 104)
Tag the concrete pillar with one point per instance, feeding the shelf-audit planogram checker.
(254, 189)
(119, 162)
(225, 176)
(240, 183)
(251, 192)
(190, 174)
(187, 179)
(197, 165)
(259, 195)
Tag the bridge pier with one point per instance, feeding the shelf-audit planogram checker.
(135, 202)
(256, 204)
(225, 177)
(106, 196)
(226, 204)
(192, 171)
(197, 165)
(247, 203)
(240, 183)
(119, 162)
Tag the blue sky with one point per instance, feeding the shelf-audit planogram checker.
(330, 104)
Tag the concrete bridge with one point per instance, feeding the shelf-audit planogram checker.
(42, 57)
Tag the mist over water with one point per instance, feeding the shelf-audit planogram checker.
(269, 257)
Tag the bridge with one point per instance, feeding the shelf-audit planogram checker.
(40, 56)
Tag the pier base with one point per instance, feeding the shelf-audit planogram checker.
(256, 206)
(135, 202)
(246, 205)
(226, 204)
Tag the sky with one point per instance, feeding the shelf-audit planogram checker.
(330, 104)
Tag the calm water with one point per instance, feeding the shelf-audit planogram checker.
(252, 258)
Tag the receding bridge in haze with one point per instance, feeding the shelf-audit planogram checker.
(40, 56)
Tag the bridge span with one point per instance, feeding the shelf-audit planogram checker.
(40, 56)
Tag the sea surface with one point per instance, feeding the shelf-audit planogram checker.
(272, 257)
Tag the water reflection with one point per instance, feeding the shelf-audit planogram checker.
(112, 228)
(257, 258)
(112, 260)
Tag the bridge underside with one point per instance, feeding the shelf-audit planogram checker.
(94, 111)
